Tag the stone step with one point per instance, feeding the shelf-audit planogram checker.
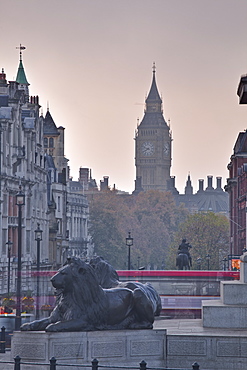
(215, 314)
(233, 292)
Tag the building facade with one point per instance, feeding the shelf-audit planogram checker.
(153, 145)
(22, 167)
(237, 189)
(237, 183)
(32, 160)
(67, 202)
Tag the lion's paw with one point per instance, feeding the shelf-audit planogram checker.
(25, 327)
(29, 326)
(52, 328)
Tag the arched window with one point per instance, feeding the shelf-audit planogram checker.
(45, 142)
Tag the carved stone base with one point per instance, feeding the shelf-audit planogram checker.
(128, 347)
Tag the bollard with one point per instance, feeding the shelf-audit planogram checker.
(143, 365)
(195, 366)
(2, 341)
(53, 365)
(17, 360)
(95, 364)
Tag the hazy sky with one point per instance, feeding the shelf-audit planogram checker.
(92, 61)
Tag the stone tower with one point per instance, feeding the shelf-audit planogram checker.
(153, 145)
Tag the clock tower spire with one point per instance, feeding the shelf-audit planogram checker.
(153, 143)
(153, 101)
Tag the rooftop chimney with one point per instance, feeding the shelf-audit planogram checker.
(84, 175)
(210, 181)
(201, 185)
(104, 183)
(219, 183)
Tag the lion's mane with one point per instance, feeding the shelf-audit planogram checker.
(81, 295)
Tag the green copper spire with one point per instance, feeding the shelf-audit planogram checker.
(21, 76)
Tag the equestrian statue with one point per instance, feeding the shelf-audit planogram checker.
(184, 260)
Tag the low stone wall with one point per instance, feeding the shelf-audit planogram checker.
(128, 347)
(210, 352)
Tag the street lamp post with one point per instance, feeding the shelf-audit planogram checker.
(208, 259)
(9, 243)
(129, 243)
(20, 201)
(38, 237)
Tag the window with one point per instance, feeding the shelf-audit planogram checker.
(51, 142)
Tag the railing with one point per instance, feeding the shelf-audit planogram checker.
(93, 366)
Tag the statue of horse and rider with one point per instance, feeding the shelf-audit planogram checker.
(184, 260)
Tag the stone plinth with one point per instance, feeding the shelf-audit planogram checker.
(127, 347)
(230, 311)
(218, 315)
(215, 349)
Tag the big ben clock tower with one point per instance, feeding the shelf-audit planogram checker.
(153, 144)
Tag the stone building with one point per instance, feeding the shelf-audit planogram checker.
(32, 158)
(67, 202)
(210, 199)
(153, 151)
(153, 145)
(22, 166)
(237, 183)
(237, 189)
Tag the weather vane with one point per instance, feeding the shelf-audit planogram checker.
(21, 47)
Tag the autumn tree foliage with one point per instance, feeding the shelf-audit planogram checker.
(152, 217)
(208, 234)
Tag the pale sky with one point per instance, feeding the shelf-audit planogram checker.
(92, 61)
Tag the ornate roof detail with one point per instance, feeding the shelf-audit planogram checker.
(50, 127)
(153, 113)
(153, 96)
(21, 76)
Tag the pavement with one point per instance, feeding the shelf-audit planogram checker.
(6, 357)
(173, 327)
(194, 327)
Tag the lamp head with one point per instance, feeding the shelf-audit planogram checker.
(38, 233)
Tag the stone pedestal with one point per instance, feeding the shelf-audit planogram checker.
(118, 347)
(230, 311)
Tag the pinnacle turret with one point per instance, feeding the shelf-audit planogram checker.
(21, 75)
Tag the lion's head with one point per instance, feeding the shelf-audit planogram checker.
(76, 281)
(71, 274)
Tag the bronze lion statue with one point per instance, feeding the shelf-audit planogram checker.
(108, 278)
(83, 305)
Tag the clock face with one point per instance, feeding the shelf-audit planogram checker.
(147, 148)
(166, 148)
